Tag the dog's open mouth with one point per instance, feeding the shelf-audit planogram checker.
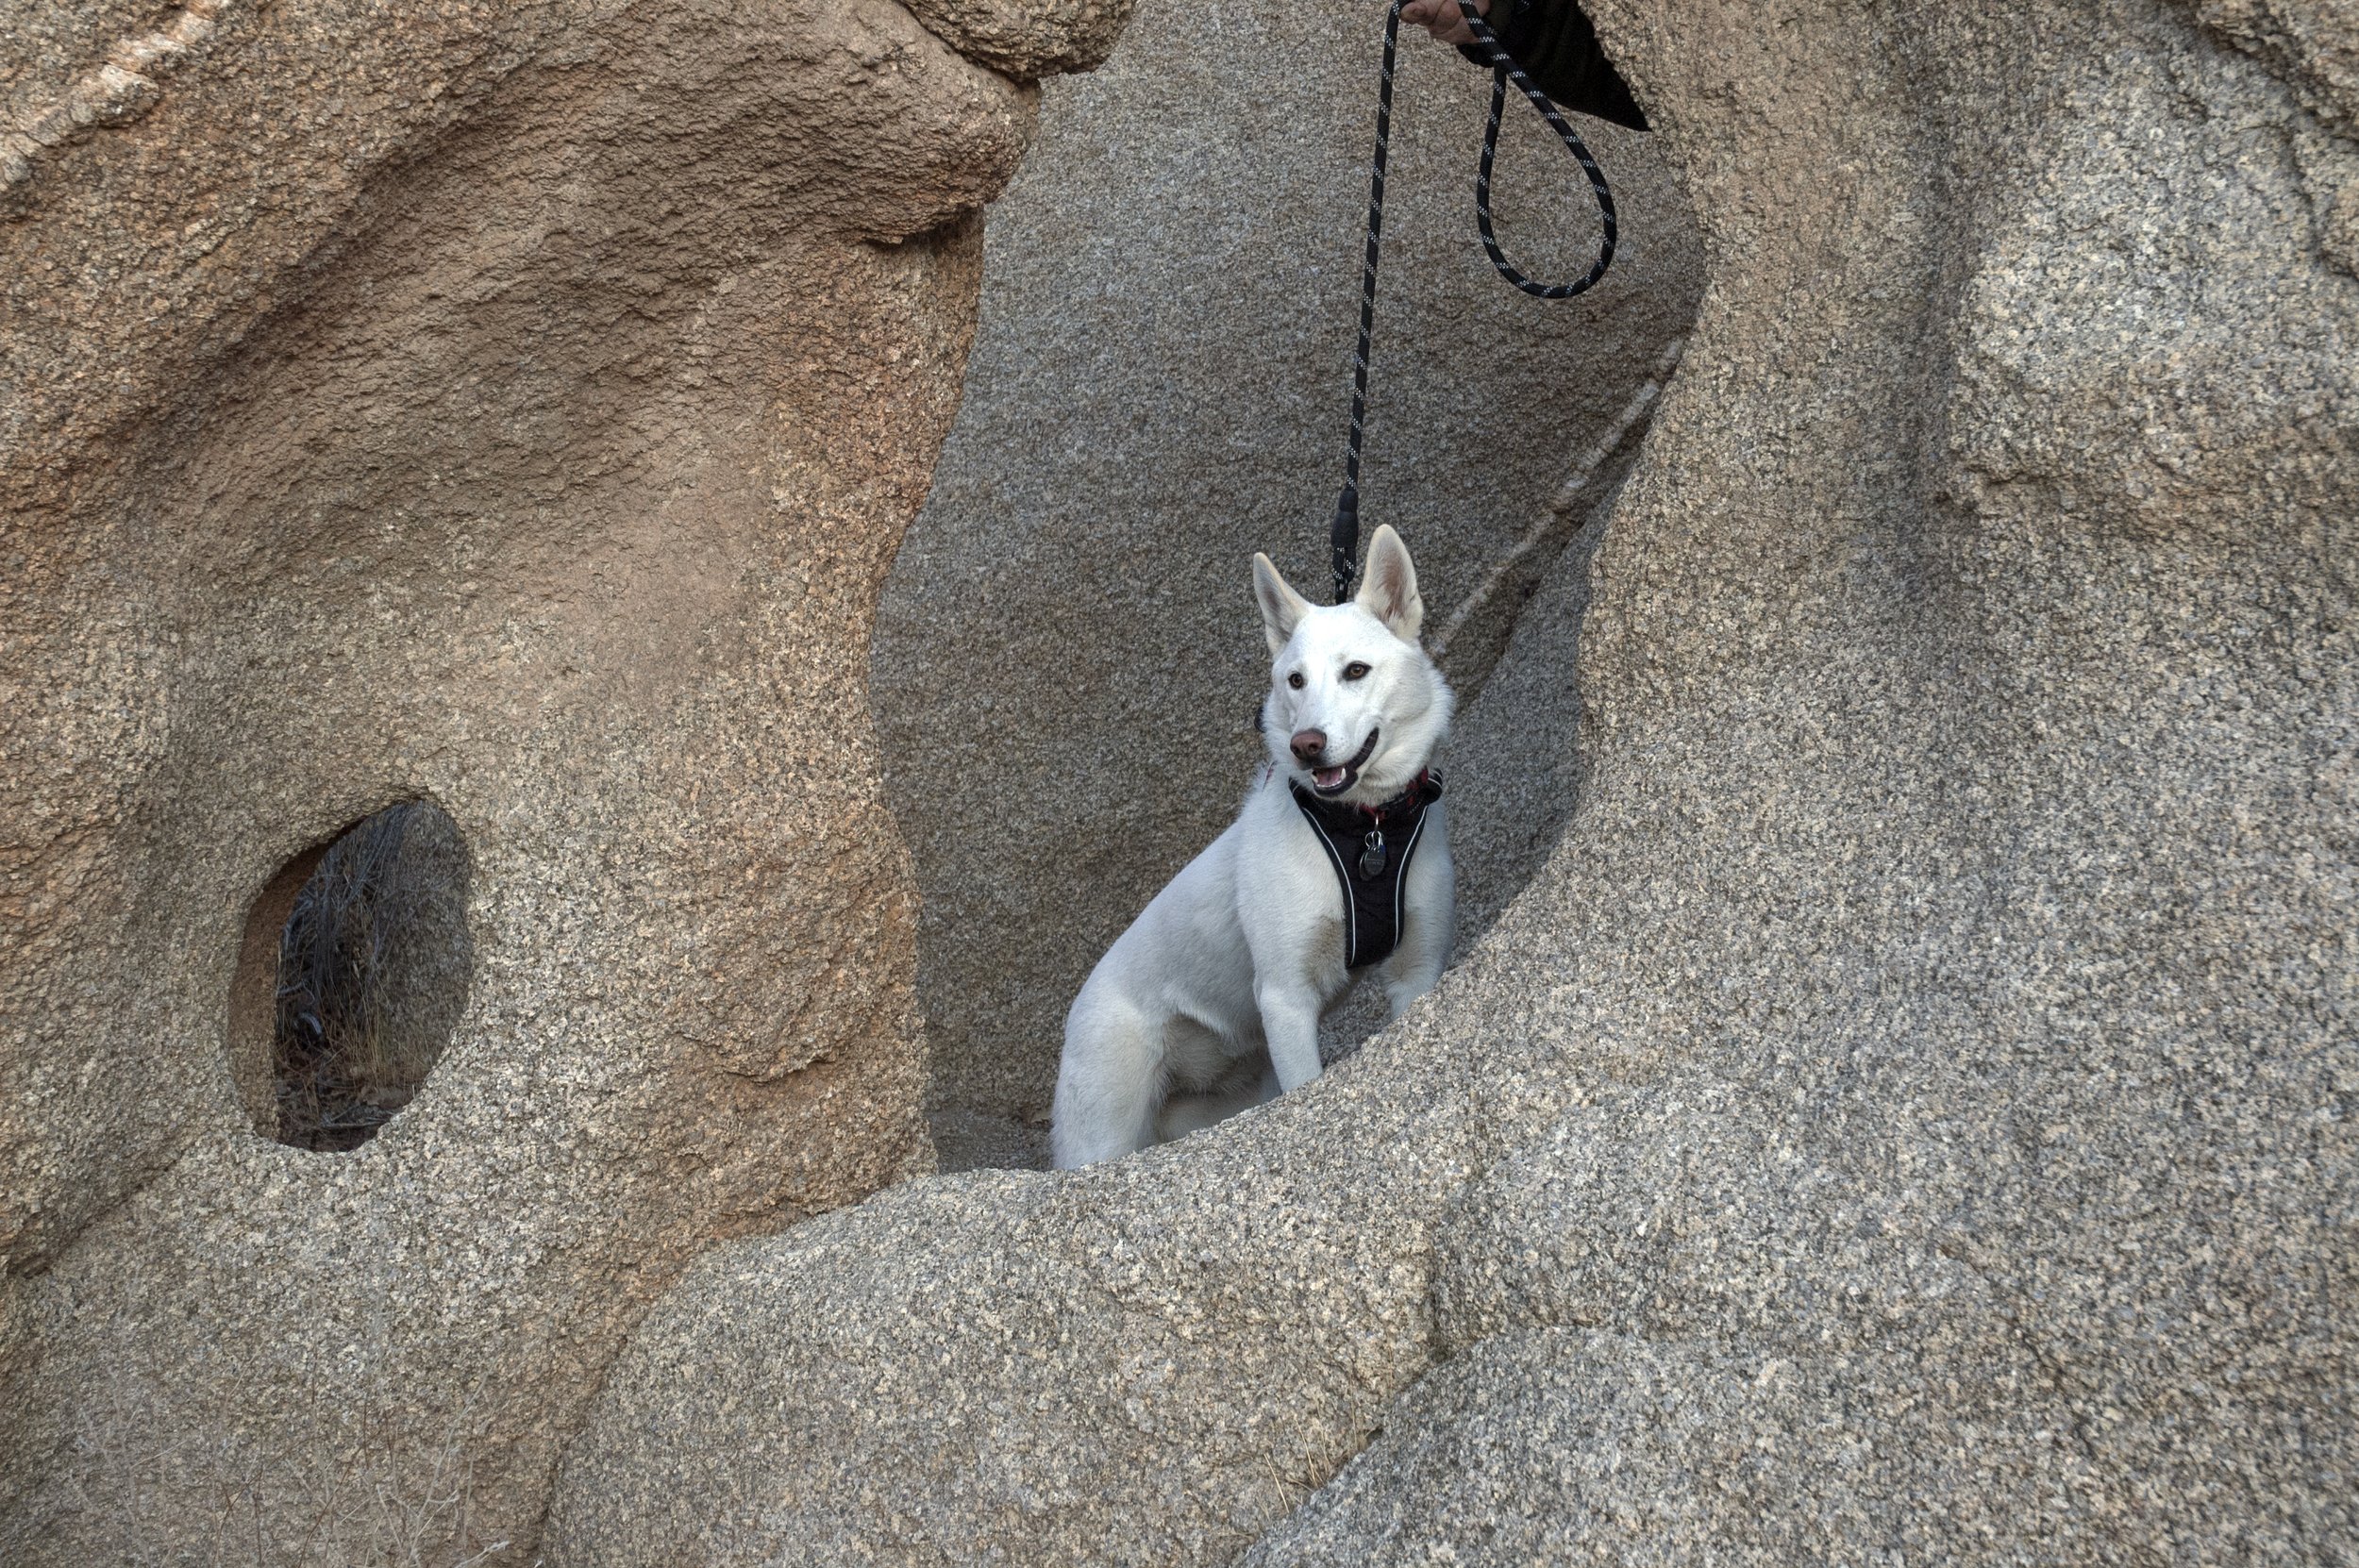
(1334, 781)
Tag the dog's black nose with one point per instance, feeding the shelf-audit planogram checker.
(1309, 745)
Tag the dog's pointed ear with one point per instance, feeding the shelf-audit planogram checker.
(1282, 606)
(1388, 588)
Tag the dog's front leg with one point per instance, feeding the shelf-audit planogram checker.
(1405, 984)
(1290, 1022)
(1415, 967)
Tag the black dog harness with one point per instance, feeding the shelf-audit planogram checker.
(1370, 847)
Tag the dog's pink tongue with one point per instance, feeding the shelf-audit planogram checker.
(1327, 779)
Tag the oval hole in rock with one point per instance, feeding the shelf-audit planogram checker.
(354, 971)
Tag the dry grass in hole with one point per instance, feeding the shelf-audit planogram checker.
(373, 970)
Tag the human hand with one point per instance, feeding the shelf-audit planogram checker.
(1443, 19)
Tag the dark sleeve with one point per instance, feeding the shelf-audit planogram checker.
(1557, 46)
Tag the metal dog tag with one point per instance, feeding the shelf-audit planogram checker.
(1372, 855)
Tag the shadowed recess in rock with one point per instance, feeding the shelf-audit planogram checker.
(1159, 389)
(348, 989)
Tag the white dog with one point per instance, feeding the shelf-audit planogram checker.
(1221, 980)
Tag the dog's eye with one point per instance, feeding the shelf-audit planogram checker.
(1355, 671)
(1294, 680)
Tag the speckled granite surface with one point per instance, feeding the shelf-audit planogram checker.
(514, 406)
(1909, 1116)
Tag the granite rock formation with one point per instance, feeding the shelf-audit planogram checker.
(514, 406)
(1067, 652)
(1909, 1116)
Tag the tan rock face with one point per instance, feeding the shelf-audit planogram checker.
(518, 407)
(1909, 1115)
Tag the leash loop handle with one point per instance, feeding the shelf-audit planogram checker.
(1504, 70)
(1343, 535)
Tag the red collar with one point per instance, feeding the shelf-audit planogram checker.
(1354, 816)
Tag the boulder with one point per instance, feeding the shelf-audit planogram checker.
(510, 406)
(1908, 1113)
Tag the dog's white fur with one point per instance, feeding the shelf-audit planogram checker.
(1211, 1001)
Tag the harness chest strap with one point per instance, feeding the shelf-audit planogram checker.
(1369, 847)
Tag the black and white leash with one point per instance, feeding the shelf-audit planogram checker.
(1344, 535)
